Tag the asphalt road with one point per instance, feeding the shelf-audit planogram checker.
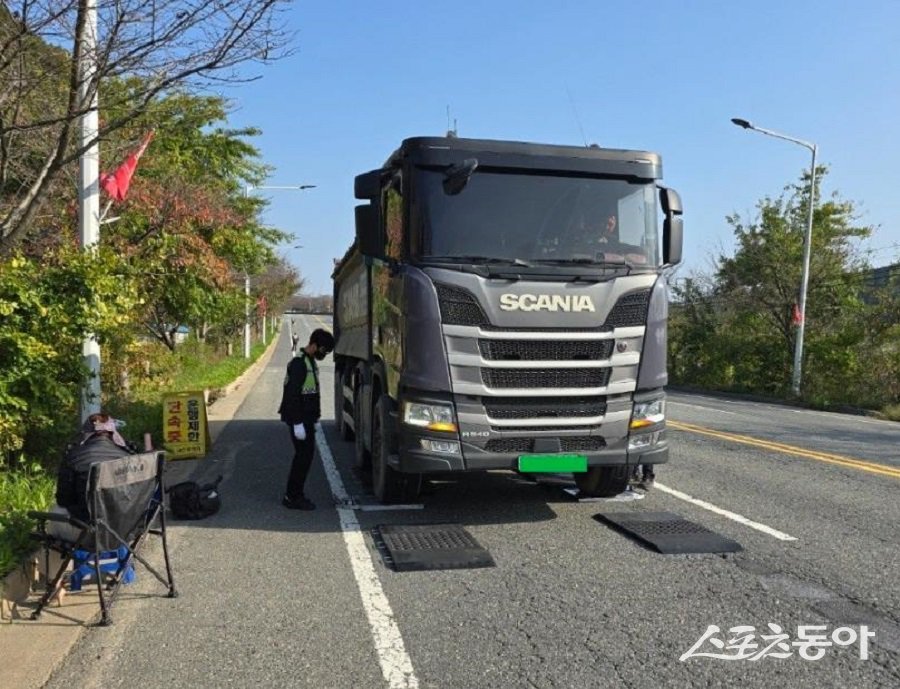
(277, 598)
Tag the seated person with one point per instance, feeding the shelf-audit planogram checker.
(100, 441)
(608, 246)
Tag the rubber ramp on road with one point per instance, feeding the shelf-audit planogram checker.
(419, 547)
(668, 533)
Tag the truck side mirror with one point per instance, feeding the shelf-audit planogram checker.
(368, 238)
(368, 185)
(673, 226)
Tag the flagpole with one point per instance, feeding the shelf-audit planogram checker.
(89, 189)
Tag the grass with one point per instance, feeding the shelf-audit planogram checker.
(892, 412)
(22, 488)
(142, 410)
(26, 486)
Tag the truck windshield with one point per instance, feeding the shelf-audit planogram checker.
(539, 218)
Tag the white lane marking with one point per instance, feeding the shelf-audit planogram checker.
(780, 535)
(396, 665)
(699, 406)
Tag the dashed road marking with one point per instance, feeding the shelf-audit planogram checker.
(734, 516)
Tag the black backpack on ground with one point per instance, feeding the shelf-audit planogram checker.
(191, 500)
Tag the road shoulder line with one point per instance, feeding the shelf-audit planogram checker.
(396, 665)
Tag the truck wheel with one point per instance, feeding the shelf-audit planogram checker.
(602, 482)
(362, 458)
(344, 430)
(389, 485)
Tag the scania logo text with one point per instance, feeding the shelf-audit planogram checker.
(546, 302)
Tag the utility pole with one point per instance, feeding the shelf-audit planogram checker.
(246, 315)
(89, 188)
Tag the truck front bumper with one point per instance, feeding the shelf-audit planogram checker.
(412, 458)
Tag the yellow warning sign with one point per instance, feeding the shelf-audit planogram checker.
(185, 429)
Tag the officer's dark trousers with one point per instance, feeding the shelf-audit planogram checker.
(303, 457)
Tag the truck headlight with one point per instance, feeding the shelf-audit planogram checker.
(648, 413)
(434, 417)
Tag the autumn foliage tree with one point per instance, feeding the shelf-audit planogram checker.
(186, 230)
(144, 52)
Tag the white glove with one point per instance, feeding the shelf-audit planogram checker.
(300, 431)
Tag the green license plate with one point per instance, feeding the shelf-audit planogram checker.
(552, 464)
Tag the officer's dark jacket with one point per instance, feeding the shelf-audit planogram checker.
(71, 482)
(300, 398)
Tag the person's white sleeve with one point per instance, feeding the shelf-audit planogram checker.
(299, 431)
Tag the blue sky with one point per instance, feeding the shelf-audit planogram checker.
(659, 76)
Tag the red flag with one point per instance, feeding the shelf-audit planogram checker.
(796, 316)
(116, 184)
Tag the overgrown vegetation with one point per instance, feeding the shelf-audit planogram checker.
(735, 329)
(23, 487)
(30, 483)
(175, 253)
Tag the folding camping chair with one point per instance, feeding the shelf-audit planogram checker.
(124, 498)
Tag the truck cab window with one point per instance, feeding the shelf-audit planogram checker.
(534, 217)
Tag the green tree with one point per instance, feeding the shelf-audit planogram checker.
(46, 307)
(739, 332)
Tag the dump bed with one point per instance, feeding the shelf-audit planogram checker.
(352, 290)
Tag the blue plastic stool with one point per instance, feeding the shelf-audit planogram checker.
(110, 561)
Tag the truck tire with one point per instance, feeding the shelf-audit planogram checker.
(362, 458)
(344, 430)
(602, 482)
(389, 485)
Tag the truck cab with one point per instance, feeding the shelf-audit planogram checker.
(504, 307)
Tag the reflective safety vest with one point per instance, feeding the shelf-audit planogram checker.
(311, 382)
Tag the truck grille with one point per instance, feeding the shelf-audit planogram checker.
(629, 311)
(545, 378)
(459, 307)
(582, 443)
(509, 445)
(545, 350)
(578, 443)
(544, 407)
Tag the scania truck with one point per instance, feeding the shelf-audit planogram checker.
(503, 306)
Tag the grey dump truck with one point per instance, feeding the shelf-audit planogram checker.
(504, 307)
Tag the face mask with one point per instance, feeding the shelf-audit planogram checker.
(320, 355)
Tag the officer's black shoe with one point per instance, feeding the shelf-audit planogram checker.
(300, 503)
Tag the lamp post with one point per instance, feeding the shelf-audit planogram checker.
(807, 245)
(298, 187)
(247, 189)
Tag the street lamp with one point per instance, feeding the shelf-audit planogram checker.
(247, 189)
(807, 245)
(297, 187)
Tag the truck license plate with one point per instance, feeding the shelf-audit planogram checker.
(552, 464)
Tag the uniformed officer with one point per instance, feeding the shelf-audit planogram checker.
(300, 409)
